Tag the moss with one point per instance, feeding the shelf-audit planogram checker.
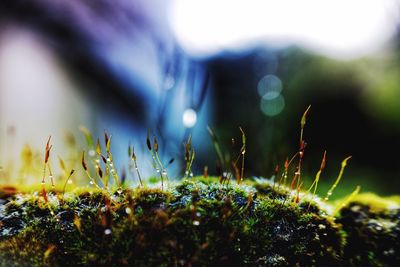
(196, 222)
(372, 226)
(192, 223)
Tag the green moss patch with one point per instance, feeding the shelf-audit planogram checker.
(192, 223)
(372, 226)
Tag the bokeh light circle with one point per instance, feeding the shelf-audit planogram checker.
(269, 87)
(189, 118)
(272, 107)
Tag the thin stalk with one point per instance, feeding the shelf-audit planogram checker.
(66, 182)
(133, 157)
(330, 192)
(317, 176)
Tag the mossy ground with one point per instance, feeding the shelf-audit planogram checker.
(372, 225)
(197, 222)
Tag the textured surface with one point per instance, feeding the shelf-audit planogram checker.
(193, 223)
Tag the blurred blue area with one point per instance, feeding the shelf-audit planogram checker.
(126, 65)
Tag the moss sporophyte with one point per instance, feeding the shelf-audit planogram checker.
(222, 220)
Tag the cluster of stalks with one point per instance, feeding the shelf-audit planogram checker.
(223, 171)
(229, 166)
(47, 166)
(96, 157)
(157, 163)
(296, 182)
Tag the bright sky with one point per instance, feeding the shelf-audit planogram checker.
(337, 28)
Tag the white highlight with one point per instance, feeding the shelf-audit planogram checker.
(189, 118)
(338, 28)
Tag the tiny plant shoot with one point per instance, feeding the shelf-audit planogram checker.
(335, 184)
(132, 155)
(242, 152)
(157, 163)
(189, 157)
(316, 180)
(216, 147)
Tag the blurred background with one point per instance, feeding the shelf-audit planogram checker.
(177, 66)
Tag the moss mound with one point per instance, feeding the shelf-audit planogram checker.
(372, 225)
(192, 223)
